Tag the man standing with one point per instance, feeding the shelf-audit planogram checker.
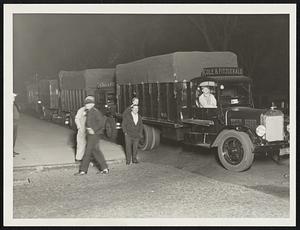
(16, 117)
(80, 120)
(132, 126)
(94, 127)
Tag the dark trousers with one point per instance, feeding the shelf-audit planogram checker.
(15, 131)
(92, 149)
(131, 148)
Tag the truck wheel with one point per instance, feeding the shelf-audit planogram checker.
(156, 138)
(110, 129)
(146, 141)
(235, 151)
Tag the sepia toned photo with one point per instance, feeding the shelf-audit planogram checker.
(164, 115)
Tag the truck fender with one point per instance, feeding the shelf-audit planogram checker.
(243, 129)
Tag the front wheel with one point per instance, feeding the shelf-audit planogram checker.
(235, 151)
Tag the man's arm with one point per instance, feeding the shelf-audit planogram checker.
(213, 100)
(100, 119)
(203, 102)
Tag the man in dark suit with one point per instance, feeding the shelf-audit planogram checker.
(94, 127)
(132, 126)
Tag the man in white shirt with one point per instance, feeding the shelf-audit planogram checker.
(132, 126)
(80, 119)
(206, 99)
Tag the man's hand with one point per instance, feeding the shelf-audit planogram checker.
(90, 131)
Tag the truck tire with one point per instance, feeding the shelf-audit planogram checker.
(146, 141)
(156, 138)
(110, 129)
(235, 151)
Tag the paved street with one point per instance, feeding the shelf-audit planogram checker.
(171, 181)
(137, 191)
(265, 175)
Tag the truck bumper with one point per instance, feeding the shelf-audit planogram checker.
(282, 146)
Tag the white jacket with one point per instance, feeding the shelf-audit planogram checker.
(80, 119)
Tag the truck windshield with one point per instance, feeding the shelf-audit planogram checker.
(235, 94)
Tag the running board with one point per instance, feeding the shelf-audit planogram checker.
(205, 145)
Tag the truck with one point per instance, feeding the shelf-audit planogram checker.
(168, 87)
(48, 97)
(76, 85)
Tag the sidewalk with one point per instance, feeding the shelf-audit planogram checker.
(42, 143)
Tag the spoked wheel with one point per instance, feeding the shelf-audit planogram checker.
(235, 151)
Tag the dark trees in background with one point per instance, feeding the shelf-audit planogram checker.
(46, 44)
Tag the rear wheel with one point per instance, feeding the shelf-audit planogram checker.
(156, 138)
(146, 141)
(110, 129)
(235, 151)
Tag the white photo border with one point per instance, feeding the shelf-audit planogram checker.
(11, 9)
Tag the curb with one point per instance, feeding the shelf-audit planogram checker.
(59, 166)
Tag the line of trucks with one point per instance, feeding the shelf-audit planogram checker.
(168, 87)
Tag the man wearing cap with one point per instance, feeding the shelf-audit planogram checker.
(206, 99)
(16, 117)
(94, 127)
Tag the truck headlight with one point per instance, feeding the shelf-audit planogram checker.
(39, 102)
(261, 130)
(288, 127)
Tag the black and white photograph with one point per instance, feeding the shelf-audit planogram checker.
(149, 114)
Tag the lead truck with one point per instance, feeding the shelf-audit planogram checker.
(168, 87)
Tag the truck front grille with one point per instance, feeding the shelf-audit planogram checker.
(274, 128)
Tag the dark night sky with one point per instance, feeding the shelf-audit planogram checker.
(47, 43)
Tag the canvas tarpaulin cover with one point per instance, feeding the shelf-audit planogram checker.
(86, 79)
(171, 67)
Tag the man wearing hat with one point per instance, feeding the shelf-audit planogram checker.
(94, 127)
(206, 99)
(16, 117)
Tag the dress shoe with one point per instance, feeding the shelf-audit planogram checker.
(135, 162)
(81, 173)
(104, 171)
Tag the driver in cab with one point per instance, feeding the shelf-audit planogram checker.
(206, 99)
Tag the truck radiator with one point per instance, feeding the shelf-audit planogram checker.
(274, 128)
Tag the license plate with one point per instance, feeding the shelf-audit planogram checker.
(285, 151)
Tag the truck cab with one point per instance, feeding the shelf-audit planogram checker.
(233, 125)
